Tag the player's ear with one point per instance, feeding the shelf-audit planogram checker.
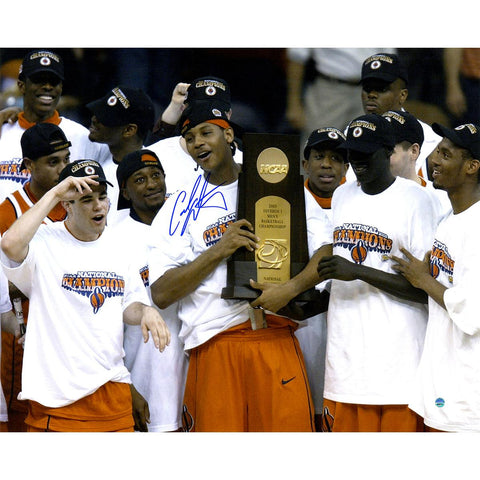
(473, 166)
(130, 130)
(28, 163)
(229, 135)
(124, 193)
(67, 205)
(21, 86)
(403, 95)
(415, 149)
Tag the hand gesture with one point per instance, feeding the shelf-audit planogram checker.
(153, 322)
(336, 267)
(173, 112)
(273, 296)
(238, 234)
(414, 270)
(73, 188)
(9, 115)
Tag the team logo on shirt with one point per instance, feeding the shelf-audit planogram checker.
(214, 232)
(144, 273)
(97, 286)
(360, 240)
(441, 261)
(10, 170)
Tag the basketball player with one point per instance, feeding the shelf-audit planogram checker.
(376, 319)
(80, 289)
(447, 390)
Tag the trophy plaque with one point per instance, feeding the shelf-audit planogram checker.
(271, 197)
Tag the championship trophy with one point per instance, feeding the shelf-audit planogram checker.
(271, 197)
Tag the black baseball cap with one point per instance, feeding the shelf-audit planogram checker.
(330, 136)
(465, 136)
(209, 88)
(41, 61)
(132, 162)
(368, 133)
(83, 168)
(123, 105)
(204, 111)
(384, 66)
(42, 139)
(405, 127)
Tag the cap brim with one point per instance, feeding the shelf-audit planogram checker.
(104, 180)
(41, 70)
(448, 133)
(364, 147)
(97, 107)
(379, 76)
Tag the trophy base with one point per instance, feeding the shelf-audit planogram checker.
(243, 271)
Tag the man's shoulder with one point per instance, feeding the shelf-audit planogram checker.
(71, 126)
(11, 132)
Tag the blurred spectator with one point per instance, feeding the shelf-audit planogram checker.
(462, 84)
(323, 86)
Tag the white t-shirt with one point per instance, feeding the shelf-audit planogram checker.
(447, 393)
(78, 292)
(181, 232)
(180, 168)
(375, 339)
(12, 179)
(159, 377)
(5, 306)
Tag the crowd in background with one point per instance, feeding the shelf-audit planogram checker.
(257, 76)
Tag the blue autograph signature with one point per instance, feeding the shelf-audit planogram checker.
(199, 198)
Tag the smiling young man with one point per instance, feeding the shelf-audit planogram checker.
(81, 291)
(325, 164)
(40, 81)
(235, 374)
(160, 379)
(178, 164)
(447, 389)
(376, 319)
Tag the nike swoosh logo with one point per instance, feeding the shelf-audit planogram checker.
(284, 382)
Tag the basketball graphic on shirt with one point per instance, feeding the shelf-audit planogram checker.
(359, 252)
(97, 299)
(434, 270)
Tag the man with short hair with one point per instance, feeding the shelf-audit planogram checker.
(40, 82)
(376, 319)
(45, 153)
(121, 119)
(447, 393)
(80, 290)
